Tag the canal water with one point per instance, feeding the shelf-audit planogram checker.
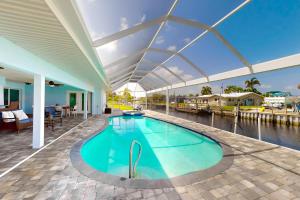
(288, 136)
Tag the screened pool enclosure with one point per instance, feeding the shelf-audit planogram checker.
(172, 44)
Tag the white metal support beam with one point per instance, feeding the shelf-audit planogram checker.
(151, 84)
(120, 76)
(167, 101)
(205, 32)
(146, 85)
(166, 68)
(129, 31)
(276, 64)
(160, 78)
(195, 67)
(217, 34)
(121, 71)
(120, 82)
(85, 109)
(121, 60)
(158, 30)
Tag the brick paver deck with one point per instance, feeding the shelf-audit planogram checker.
(15, 147)
(259, 171)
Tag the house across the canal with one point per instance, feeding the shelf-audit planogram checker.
(231, 99)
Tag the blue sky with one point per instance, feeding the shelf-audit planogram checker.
(260, 31)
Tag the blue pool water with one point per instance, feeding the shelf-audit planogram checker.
(167, 150)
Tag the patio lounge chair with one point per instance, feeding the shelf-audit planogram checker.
(22, 120)
(13, 122)
(52, 116)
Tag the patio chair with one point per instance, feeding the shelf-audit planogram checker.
(52, 116)
(7, 121)
(22, 120)
(14, 120)
(74, 110)
(14, 105)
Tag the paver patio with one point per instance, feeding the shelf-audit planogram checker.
(15, 147)
(259, 171)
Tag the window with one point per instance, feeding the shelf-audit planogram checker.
(11, 95)
(6, 99)
(14, 95)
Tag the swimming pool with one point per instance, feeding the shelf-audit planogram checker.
(167, 150)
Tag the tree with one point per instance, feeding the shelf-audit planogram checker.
(206, 90)
(233, 88)
(250, 85)
(127, 95)
(298, 86)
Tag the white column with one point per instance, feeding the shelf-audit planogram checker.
(94, 103)
(167, 101)
(85, 109)
(103, 100)
(38, 111)
(2, 83)
(259, 127)
(1, 95)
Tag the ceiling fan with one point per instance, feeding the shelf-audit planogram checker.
(52, 84)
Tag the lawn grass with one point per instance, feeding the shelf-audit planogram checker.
(119, 106)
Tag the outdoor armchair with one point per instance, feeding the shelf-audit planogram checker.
(52, 116)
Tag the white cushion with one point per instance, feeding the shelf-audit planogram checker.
(20, 114)
(8, 114)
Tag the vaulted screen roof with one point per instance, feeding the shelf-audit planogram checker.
(176, 43)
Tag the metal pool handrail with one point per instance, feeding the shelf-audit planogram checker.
(132, 170)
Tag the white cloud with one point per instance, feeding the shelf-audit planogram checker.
(290, 87)
(167, 26)
(159, 40)
(143, 19)
(266, 86)
(96, 35)
(186, 40)
(181, 73)
(172, 48)
(110, 47)
(124, 23)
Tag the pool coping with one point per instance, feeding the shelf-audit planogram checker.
(183, 180)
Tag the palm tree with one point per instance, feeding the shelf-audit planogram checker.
(250, 84)
(298, 86)
(233, 88)
(206, 90)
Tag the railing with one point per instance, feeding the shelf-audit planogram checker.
(132, 170)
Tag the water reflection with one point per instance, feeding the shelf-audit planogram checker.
(288, 136)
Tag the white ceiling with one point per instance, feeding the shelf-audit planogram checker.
(32, 26)
(16, 76)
